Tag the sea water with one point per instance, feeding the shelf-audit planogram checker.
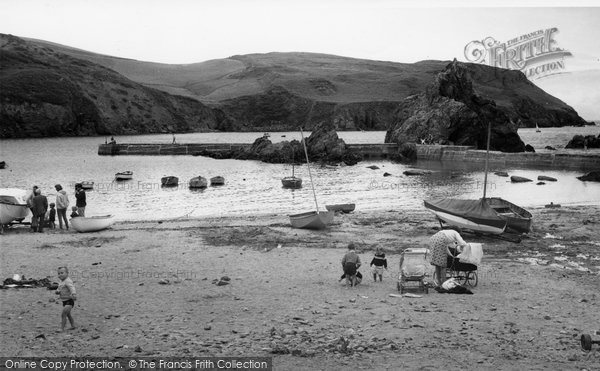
(254, 188)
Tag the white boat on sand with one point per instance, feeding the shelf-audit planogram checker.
(91, 223)
(13, 205)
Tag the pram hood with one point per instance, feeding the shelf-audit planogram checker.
(414, 262)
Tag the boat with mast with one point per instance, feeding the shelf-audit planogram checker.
(293, 181)
(492, 215)
(311, 219)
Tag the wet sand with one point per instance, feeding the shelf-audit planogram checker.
(152, 289)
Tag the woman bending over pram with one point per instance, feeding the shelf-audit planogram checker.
(441, 246)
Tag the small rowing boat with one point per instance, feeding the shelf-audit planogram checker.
(85, 224)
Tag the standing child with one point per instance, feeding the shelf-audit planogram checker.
(380, 262)
(52, 216)
(66, 290)
(350, 264)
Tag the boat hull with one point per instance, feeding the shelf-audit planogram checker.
(169, 181)
(291, 182)
(312, 220)
(518, 219)
(91, 224)
(217, 181)
(87, 185)
(13, 205)
(345, 208)
(126, 175)
(198, 182)
(474, 215)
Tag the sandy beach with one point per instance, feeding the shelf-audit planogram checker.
(152, 289)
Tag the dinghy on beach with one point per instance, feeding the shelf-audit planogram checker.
(13, 205)
(83, 224)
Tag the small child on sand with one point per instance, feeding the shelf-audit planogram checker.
(74, 213)
(380, 262)
(350, 264)
(66, 290)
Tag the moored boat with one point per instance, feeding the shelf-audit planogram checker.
(345, 208)
(125, 175)
(546, 178)
(217, 181)
(291, 182)
(519, 179)
(169, 181)
(312, 219)
(91, 223)
(198, 182)
(87, 184)
(13, 205)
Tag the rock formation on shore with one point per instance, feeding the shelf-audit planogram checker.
(457, 107)
(587, 141)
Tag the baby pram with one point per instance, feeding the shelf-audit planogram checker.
(414, 267)
(463, 273)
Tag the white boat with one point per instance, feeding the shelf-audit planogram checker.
(125, 175)
(13, 205)
(311, 219)
(537, 128)
(91, 223)
(344, 208)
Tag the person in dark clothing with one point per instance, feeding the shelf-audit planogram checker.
(80, 200)
(74, 213)
(380, 262)
(51, 216)
(40, 206)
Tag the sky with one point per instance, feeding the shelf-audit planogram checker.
(189, 31)
(406, 31)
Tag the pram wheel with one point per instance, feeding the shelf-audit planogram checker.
(471, 278)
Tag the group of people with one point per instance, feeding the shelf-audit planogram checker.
(444, 246)
(44, 214)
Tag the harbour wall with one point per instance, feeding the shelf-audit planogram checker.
(558, 159)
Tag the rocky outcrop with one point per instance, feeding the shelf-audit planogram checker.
(458, 106)
(580, 141)
(593, 176)
(45, 93)
(323, 145)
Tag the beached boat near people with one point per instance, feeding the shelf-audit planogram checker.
(217, 181)
(84, 224)
(125, 175)
(87, 184)
(170, 181)
(518, 219)
(198, 182)
(492, 215)
(345, 208)
(13, 205)
(312, 219)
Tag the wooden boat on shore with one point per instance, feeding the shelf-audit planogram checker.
(217, 181)
(198, 182)
(125, 175)
(85, 224)
(169, 181)
(345, 208)
(312, 219)
(492, 215)
(87, 184)
(13, 205)
(518, 219)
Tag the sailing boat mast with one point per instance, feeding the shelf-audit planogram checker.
(309, 173)
(487, 153)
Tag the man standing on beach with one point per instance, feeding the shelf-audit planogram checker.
(40, 206)
(62, 203)
(80, 199)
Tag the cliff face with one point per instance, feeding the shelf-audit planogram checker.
(462, 99)
(46, 93)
